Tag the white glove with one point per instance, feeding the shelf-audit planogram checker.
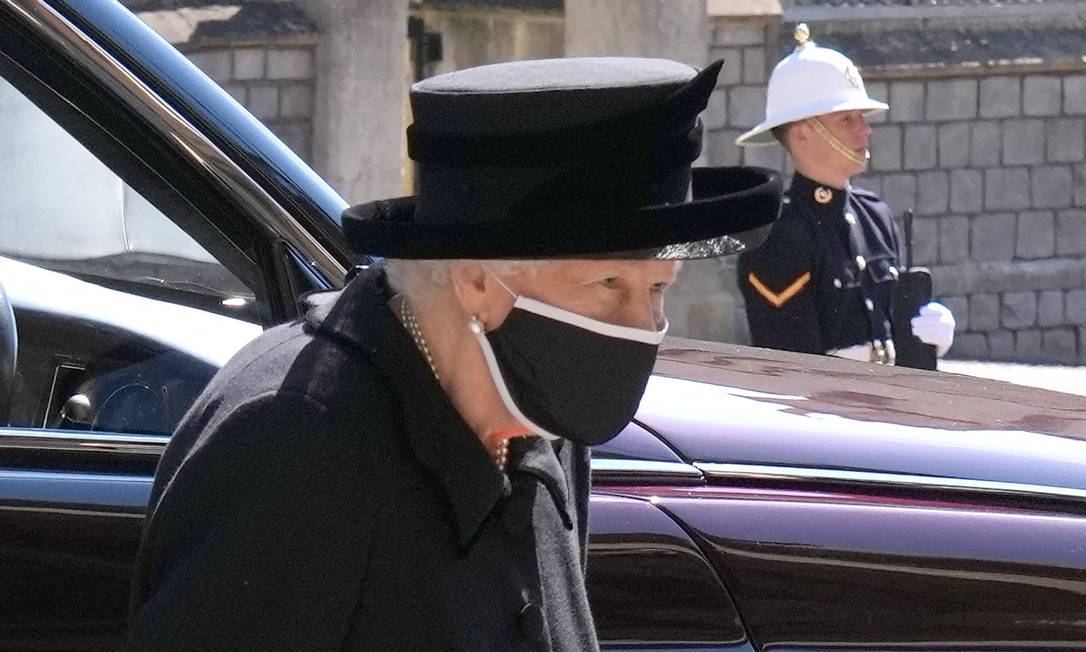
(934, 325)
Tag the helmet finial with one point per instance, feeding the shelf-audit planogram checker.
(802, 34)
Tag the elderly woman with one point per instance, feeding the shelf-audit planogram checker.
(407, 467)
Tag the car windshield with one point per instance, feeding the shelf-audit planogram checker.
(64, 210)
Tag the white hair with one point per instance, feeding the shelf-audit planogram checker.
(422, 280)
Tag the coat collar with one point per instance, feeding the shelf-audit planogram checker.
(823, 199)
(441, 441)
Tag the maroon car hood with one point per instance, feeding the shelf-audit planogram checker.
(761, 407)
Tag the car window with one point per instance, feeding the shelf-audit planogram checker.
(121, 316)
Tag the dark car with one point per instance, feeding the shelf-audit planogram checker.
(760, 501)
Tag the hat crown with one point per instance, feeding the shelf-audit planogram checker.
(553, 134)
(541, 95)
(814, 76)
(809, 82)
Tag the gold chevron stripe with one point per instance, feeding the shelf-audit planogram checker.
(779, 300)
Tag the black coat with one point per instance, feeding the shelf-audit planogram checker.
(324, 494)
(824, 279)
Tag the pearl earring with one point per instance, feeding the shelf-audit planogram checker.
(476, 325)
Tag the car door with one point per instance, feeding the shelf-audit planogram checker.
(137, 259)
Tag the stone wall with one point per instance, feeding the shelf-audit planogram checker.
(991, 158)
(261, 52)
(993, 166)
(274, 81)
(474, 35)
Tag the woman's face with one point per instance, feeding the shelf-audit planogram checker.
(621, 292)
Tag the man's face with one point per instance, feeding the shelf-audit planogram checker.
(621, 292)
(850, 128)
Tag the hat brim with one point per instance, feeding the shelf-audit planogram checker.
(731, 212)
(762, 134)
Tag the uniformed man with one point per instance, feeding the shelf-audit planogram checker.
(824, 280)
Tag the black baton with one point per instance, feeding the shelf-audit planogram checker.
(913, 290)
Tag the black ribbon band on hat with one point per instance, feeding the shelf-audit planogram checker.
(581, 143)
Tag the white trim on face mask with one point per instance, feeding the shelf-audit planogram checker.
(607, 329)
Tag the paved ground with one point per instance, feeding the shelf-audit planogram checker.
(1062, 379)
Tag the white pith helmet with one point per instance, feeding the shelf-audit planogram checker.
(811, 81)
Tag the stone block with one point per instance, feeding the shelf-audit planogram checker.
(966, 191)
(731, 72)
(986, 144)
(715, 115)
(1051, 186)
(959, 307)
(216, 64)
(710, 319)
(1023, 142)
(885, 147)
(296, 101)
(932, 193)
(1019, 310)
(1058, 346)
(754, 68)
(1064, 139)
(925, 241)
(869, 182)
(290, 63)
(951, 99)
(1041, 95)
(731, 35)
(1006, 188)
(1027, 345)
(906, 101)
(899, 191)
(1080, 185)
(746, 106)
(984, 312)
(1071, 233)
(1036, 234)
(1000, 97)
(720, 147)
(1075, 307)
(920, 147)
(954, 145)
(768, 156)
(295, 135)
(878, 91)
(263, 101)
(249, 64)
(1074, 94)
(992, 236)
(1020, 275)
(953, 239)
(239, 92)
(1050, 308)
(969, 346)
(1001, 345)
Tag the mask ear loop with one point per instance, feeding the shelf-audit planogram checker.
(835, 143)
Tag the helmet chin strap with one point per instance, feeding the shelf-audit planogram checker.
(841, 148)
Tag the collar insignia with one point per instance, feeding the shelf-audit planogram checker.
(823, 195)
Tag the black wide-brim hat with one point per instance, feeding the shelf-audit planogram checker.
(566, 158)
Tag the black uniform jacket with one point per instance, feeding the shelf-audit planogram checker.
(324, 494)
(824, 278)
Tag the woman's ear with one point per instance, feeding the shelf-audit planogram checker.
(470, 286)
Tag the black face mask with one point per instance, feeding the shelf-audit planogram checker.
(562, 374)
